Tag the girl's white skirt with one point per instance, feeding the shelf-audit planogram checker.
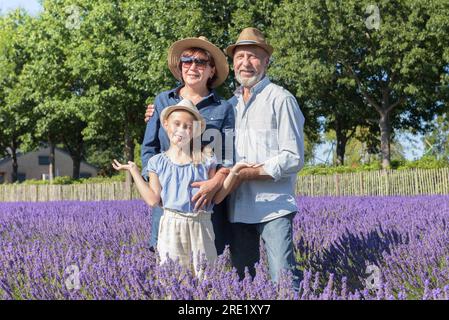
(182, 234)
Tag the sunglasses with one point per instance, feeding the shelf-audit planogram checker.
(187, 61)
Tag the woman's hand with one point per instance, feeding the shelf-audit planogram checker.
(130, 166)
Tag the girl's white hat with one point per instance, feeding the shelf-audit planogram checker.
(188, 106)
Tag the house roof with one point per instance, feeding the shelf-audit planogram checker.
(19, 154)
(7, 159)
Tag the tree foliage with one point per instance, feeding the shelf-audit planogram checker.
(397, 67)
(16, 116)
(80, 73)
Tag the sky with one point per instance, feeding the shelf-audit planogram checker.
(32, 6)
(412, 145)
(412, 150)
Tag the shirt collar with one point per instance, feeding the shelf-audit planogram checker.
(174, 93)
(257, 88)
(215, 95)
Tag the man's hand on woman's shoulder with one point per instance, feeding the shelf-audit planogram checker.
(149, 112)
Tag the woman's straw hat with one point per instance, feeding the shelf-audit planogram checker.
(177, 48)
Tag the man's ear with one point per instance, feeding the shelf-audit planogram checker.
(267, 60)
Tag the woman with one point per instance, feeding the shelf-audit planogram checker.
(201, 67)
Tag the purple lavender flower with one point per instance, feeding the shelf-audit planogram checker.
(335, 238)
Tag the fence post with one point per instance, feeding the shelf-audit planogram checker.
(445, 178)
(416, 181)
(337, 185)
(387, 183)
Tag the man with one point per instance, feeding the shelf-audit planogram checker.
(269, 130)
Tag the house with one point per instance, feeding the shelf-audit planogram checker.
(35, 165)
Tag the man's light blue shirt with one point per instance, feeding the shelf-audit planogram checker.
(269, 130)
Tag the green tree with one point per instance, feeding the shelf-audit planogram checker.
(121, 55)
(57, 92)
(394, 57)
(436, 141)
(3, 66)
(344, 112)
(16, 116)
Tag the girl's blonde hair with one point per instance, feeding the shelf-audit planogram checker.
(198, 152)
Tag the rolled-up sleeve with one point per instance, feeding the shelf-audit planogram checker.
(290, 140)
(228, 138)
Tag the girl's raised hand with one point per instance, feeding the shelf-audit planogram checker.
(241, 165)
(118, 166)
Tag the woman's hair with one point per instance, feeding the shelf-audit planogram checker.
(192, 51)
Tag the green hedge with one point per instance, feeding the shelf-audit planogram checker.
(423, 163)
(69, 180)
(326, 170)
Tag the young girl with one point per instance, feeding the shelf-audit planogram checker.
(182, 230)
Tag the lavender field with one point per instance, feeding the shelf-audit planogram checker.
(347, 248)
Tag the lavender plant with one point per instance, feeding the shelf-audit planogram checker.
(100, 250)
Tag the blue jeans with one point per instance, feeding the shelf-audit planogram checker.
(156, 214)
(220, 223)
(277, 236)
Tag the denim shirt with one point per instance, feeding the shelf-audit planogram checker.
(217, 112)
(268, 130)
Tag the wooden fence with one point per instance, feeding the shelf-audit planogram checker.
(79, 192)
(377, 183)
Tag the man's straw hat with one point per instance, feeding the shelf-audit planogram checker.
(250, 36)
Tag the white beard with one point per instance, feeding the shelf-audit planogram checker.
(249, 82)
